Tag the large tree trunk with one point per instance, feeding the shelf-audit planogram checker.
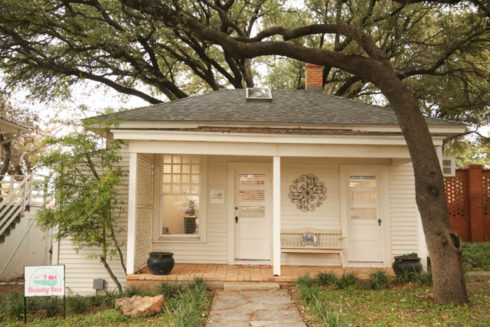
(443, 245)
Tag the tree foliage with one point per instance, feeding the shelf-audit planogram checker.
(440, 52)
(85, 183)
(48, 46)
(468, 152)
(19, 151)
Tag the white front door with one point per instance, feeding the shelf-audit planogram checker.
(364, 220)
(252, 212)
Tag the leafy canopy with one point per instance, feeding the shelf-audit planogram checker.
(441, 53)
(84, 183)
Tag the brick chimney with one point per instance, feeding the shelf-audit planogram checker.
(313, 77)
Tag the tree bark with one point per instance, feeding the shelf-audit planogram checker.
(443, 245)
(103, 259)
(109, 271)
(118, 249)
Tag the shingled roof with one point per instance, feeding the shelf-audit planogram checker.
(287, 106)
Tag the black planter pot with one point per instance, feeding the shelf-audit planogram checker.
(160, 263)
(406, 264)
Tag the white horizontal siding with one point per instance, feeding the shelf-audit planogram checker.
(403, 210)
(80, 266)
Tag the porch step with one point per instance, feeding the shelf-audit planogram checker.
(250, 286)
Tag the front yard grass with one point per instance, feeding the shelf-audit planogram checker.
(183, 307)
(397, 305)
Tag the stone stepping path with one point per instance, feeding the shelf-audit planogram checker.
(254, 308)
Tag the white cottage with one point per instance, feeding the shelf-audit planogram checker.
(281, 178)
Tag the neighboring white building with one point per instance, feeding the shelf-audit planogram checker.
(21, 241)
(297, 178)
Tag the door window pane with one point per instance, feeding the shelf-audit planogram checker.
(363, 197)
(362, 181)
(363, 213)
(251, 179)
(251, 195)
(251, 211)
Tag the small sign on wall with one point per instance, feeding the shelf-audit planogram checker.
(217, 196)
(44, 281)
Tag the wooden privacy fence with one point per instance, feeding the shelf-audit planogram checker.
(468, 200)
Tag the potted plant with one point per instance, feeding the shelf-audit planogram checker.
(407, 263)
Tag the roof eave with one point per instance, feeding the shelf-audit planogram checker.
(442, 129)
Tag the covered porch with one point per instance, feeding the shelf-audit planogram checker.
(218, 249)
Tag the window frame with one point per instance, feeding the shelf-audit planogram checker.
(157, 234)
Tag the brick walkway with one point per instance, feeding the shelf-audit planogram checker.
(257, 273)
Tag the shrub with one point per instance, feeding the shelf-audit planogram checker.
(305, 281)
(476, 256)
(187, 310)
(424, 278)
(52, 305)
(346, 280)
(109, 299)
(326, 315)
(12, 305)
(308, 291)
(78, 304)
(171, 290)
(378, 279)
(307, 288)
(405, 277)
(198, 284)
(99, 301)
(326, 279)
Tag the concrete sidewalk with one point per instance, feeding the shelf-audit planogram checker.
(271, 308)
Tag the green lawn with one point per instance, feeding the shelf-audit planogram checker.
(183, 307)
(404, 305)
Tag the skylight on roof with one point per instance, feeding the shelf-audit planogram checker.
(258, 94)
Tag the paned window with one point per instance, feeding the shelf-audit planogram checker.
(181, 186)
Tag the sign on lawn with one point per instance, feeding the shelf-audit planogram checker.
(44, 281)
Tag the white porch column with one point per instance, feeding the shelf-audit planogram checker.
(276, 216)
(133, 170)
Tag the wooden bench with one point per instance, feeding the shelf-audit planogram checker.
(312, 241)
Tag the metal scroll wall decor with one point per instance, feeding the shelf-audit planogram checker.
(307, 192)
